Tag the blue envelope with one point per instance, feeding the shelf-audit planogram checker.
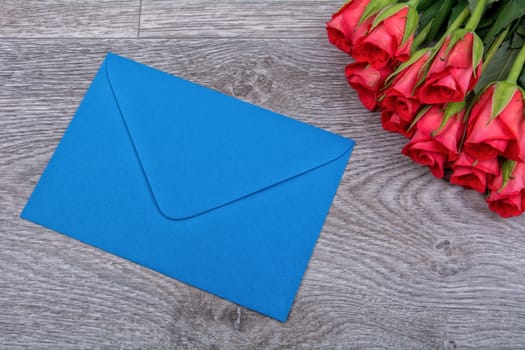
(197, 185)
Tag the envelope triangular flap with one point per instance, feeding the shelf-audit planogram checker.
(201, 149)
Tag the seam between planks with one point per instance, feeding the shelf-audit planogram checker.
(140, 18)
(159, 38)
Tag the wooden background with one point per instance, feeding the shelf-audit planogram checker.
(404, 261)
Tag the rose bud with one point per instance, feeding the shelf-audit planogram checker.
(473, 173)
(507, 196)
(436, 138)
(389, 38)
(341, 28)
(399, 105)
(454, 71)
(496, 124)
(367, 81)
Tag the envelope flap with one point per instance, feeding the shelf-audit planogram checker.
(201, 149)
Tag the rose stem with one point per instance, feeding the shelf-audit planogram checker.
(494, 47)
(458, 21)
(421, 36)
(517, 66)
(475, 17)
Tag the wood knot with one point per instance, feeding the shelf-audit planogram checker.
(449, 345)
(445, 246)
(444, 268)
(242, 90)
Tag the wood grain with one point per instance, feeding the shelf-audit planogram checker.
(66, 18)
(404, 261)
(236, 18)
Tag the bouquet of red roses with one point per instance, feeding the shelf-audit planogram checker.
(448, 76)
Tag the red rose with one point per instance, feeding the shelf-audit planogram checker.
(367, 81)
(509, 200)
(393, 122)
(433, 147)
(399, 104)
(506, 205)
(341, 28)
(384, 44)
(473, 173)
(502, 134)
(452, 73)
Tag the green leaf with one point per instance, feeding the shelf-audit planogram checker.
(507, 168)
(419, 115)
(471, 99)
(411, 21)
(477, 52)
(454, 108)
(451, 110)
(473, 3)
(424, 5)
(415, 56)
(456, 36)
(521, 79)
(503, 93)
(518, 36)
(511, 10)
(387, 12)
(429, 15)
(374, 7)
(433, 53)
(411, 26)
(442, 14)
(521, 29)
(456, 10)
(487, 21)
(499, 67)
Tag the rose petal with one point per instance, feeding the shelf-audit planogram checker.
(439, 89)
(377, 49)
(367, 81)
(487, 137)
(391, 121)
(460, 56)
(450, 75)
(469, 177)
(381, 44)
(341, 27)
(515, 185)
(505, 206)
(426, 152)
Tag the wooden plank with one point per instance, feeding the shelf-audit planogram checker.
(63, 18)
(404, 261)
(237, 18)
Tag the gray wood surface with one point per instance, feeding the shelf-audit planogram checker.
(404, 261)
(69, 18)
(236, 18)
